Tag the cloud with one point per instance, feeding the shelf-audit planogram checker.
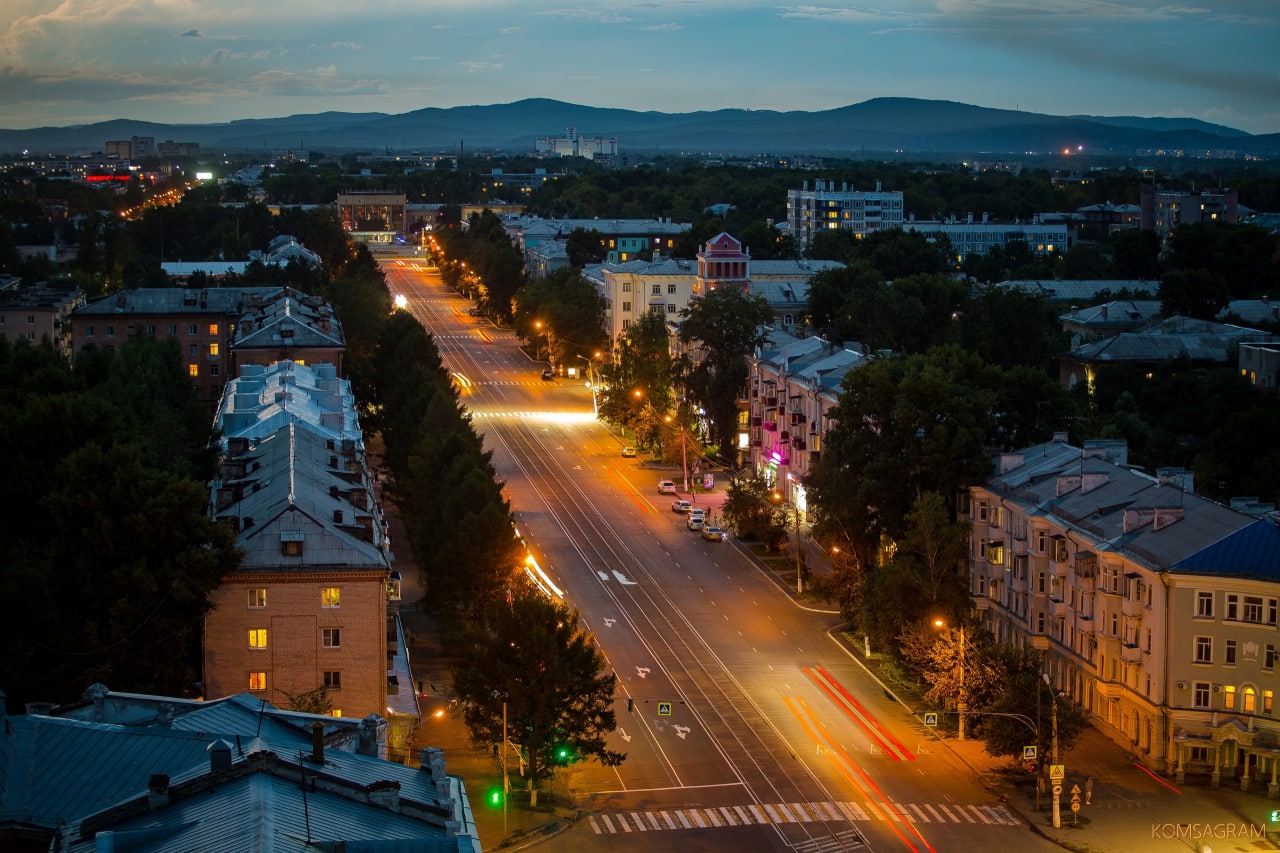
(474, 66)
(509, 30)
(663, 27)
(598, 16)
(340, 45)
(191, 34)
(219, 56)
(422, 58)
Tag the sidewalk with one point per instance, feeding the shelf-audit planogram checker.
(1130, 808)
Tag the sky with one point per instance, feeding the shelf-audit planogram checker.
(177, 61)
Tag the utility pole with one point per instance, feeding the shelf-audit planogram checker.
(506, 780)
(962, 705)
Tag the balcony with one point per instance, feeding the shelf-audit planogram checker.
(798, 443)
(1131, 653)
(1058, 607)
(756, 420)
(770, 426)
(771, 401)
(784, 437)
(797, 418)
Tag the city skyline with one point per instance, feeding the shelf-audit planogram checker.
(173, 62)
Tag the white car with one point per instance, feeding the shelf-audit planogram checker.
(666, 487)
(628, 452)
(696, 522)
(681, 506)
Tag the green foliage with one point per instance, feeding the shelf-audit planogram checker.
(752, 513)
(566, 311)
(1023, 692)
(111, 554)
(1135, 254)
(642, 363)
(533, 657)
(585, 246)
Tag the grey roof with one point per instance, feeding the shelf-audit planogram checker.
(264, 399)
(175, 300)
(1148, 518)
(1119, 313)
(293, 488)
(1252, 310)
(798, 269)
(87, 782)
(1174, 337)
(1079, 290)
(307, 321)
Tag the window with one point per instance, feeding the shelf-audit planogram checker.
(657, 289)
(626, 307)
(88, 331)
(671, 308)
(1271, 611)
(1268, 702)
(1269, 659)
(151, 330)
(626, 287)
(192, 350)
(291, 548)
(193, 370)
(331, 638)
(1229, 697)
(1231, 653)
(257, 598)
(1253, 609)
(257, 681)
(1233, 607)
(213, 370)
(1204, 650)
(111, 331)
(1200, 695)
(257, 638)
(331, 596)
(213, 349)
(173, 330)
(1249, 700)
(1042, 541)
(213, 328)
(191, 329)
(671, 288)
(1204, 604)
(333, 679)
(1199, 754)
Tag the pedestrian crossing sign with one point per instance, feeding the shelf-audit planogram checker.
(931, 718)
(1029, 753)
(664, 709)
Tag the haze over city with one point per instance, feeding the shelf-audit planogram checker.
(84, 61)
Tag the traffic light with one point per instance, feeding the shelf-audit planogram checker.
(495, 797)
(562, 754)
(1031, 767)
(631, 705)
(1275, 815)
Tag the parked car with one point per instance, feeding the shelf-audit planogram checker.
(666, 487)
(696, 522)
(475, 312)
(548, 375)
(681, 506)
(628, 452)
(713, 534)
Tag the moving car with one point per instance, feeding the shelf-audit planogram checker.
(681, 506)
(696, 522)
(666, 487)
(628, 452)
(713, 534)
(548, 375)
(475, 312)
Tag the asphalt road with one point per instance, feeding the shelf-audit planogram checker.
(750, 728)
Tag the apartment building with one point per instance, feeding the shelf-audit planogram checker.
(621, 239)
(828, 208)
(793, 385)
(308, 607)
(1163, 210)
(288, 326)
(32, 312)
(978, 237)
(1155, 609)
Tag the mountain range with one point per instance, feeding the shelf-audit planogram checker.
(877, 126)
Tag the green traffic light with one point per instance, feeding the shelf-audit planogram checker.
(1275, 815)
(495, 797)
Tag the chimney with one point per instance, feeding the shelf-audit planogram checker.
(219, 756)
(317, 743)
(165, 716)
(157, 791)
(368, 736)
(385, 793)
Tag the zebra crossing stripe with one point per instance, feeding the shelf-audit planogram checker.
(729, 816)
(671, 824)
(773, 815)
(946, 811)
(922, 816)
(697, 818)
(852, 811)
(684, 821)
(965, 813)
(801, 815)
(711, 816)
(758, 813)
(934, 812)
(780, 813)
(981, 816)
(596, 826)
(639, 822)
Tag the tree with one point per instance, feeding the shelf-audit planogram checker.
(585, 246)
(641, 373)
(1023, 695)
(1135, 254)
(727, 324)
(1198, 293)
(567, 310)
(533, 658)
(751, 512)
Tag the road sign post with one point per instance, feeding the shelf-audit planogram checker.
(931, 719)
(664, 709)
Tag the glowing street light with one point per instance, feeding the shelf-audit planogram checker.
(961, 703)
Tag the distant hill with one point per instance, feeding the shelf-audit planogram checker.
(906, 125)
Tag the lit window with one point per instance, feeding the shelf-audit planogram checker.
(1250, 699)
(1268, 701)
(213, 328)
(257, 638)
(336, 712)
(333, 680)
(1229, 697)
(331, 638)
(257, 681)
(213, 349)
(257, 598)
(330, 596)
(193, 370)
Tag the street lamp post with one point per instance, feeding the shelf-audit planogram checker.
(1053, 697)
(799, 562)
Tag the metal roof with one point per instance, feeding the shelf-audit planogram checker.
(1253, 552)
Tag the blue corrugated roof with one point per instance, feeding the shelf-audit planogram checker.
(1253, 552)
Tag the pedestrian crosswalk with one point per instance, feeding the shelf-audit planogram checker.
(614, 823)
